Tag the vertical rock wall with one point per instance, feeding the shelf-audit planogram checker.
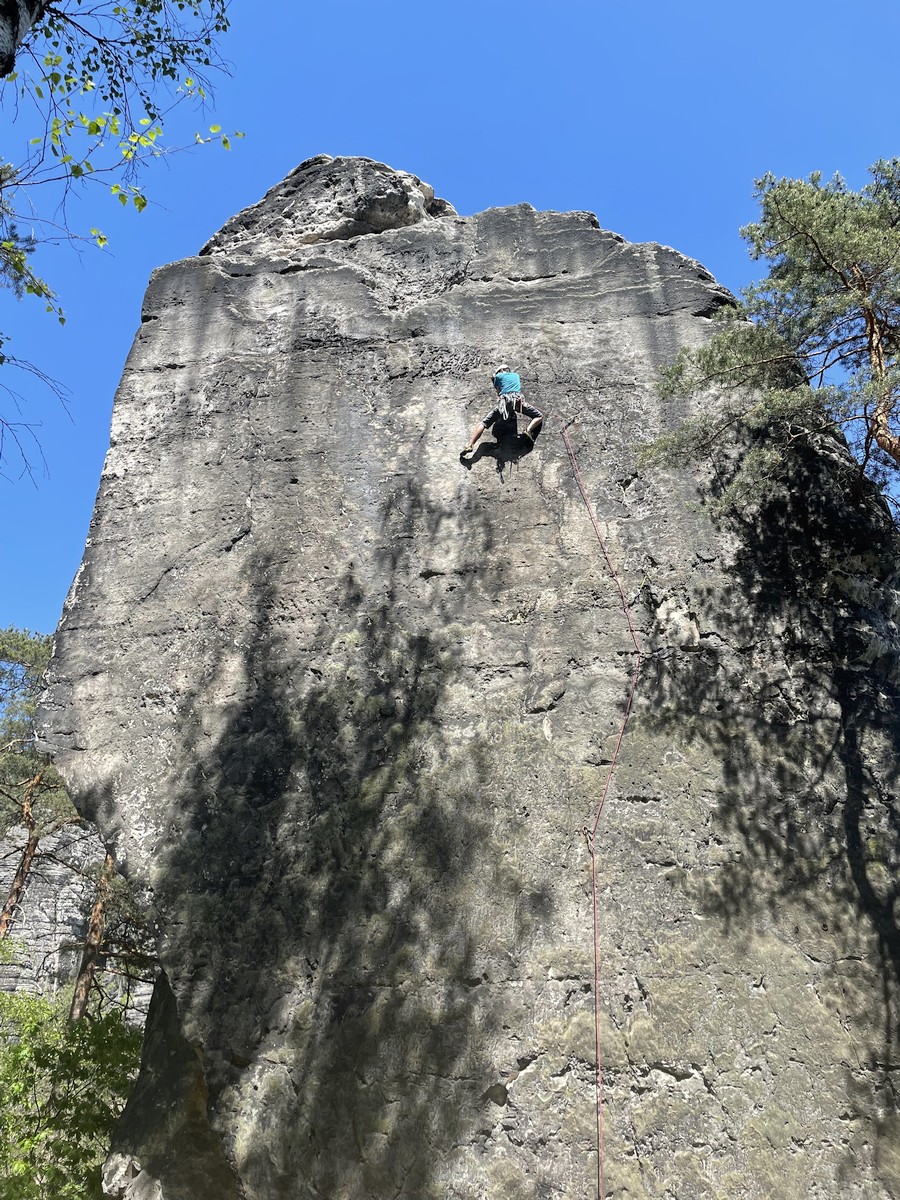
(48, 926)
(346, 704)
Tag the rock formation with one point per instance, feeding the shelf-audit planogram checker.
(48, 928)
(345, 706)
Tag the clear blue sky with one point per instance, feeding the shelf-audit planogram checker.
(655, 116)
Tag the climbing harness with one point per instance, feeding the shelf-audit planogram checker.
(590, 832)
(503, 403)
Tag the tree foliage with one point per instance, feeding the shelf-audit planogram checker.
(811, 349)
(65, 1068)
(23, 661)
(93, 85)
(63, 1086)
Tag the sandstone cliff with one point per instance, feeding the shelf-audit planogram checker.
(345, 705)
(49, 924)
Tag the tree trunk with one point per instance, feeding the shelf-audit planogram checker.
(92, 942)
(884, 405)
(17, 18)
(25, 862)
(18, 885)
(887, 440)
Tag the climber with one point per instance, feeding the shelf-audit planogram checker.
(508, 387)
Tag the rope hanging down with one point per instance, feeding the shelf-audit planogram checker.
(591, 833)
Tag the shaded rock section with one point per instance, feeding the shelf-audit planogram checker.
(345, 706)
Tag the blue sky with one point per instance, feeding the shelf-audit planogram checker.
(657, 117)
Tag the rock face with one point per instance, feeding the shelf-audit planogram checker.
(345, 706)
(48, 928)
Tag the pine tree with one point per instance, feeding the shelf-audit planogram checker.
(811, 350)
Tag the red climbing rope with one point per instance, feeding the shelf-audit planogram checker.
(592, 832)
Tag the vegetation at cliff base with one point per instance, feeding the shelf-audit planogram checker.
(66, 1064)
(63, 1085)
(811, 350)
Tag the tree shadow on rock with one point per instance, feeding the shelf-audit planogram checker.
(317, 896)
(793, 686)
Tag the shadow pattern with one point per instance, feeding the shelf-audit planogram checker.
(318, 898)
(794, 688)
(507, 449)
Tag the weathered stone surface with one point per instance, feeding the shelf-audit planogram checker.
(327, 199)
(49, 924)
(345, 706)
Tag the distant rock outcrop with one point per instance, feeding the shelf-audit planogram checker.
(344, 705)
(48, 926)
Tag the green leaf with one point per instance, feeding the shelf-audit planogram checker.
(63, 1087)
(136, 65)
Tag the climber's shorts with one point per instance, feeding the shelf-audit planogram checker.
(517, 405)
